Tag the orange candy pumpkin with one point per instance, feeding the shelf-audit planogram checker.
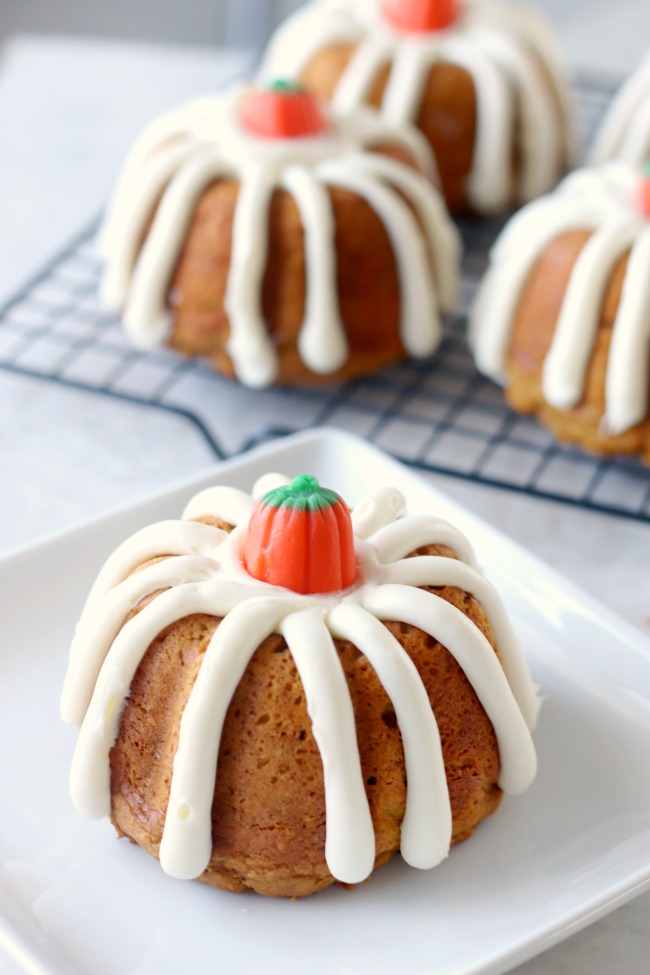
(421, 16)
(283, 111)
(300, 537)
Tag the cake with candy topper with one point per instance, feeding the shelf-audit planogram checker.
(282, 241)
(482, 79)
(562, 317)
(276, 693)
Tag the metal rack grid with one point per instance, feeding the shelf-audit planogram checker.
(438, 415)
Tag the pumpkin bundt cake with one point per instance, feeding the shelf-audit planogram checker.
(562, 318)
(482, 79)
(284, 242)
(277, 694)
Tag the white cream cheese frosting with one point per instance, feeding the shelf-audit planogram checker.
(204, 573)
(181, 154)
(625, 130)
(606, 202)
(507, 48)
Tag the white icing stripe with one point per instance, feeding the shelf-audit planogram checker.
(549, 218)
(541, 137)
(376, 511)
(164, 538)
(234, 506)
(186, 845)
(97, 631)
(407, 80)
(423, 570)
(354, 85)
(621, 120)
(536, 31)
(250, 346)
(635, 147)
(426, 827)
(480, 664)
(218, 585)
(394, 541)
(350, 836)
(568, 358)
(322, 341)
(162, 138)
(128, 219)
(495, 306)
(307, 27)
(495, 42)
(442, 236)
(419, 325)
(614, 127)
(90, 774)
(490, 181)
(162, 132)
(626, 388)
(146, 316)
(373, 130)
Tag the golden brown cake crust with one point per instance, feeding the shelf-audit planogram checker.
(366, 279)
(534, 325)
(269, 807)
(367, 283)
(446, 116)
(447, 113)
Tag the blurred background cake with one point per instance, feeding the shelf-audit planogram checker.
(562, 318)
(285, 242)
(484, 81)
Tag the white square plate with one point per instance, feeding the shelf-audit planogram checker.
(73, 900)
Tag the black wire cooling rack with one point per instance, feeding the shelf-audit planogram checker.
(438, 415)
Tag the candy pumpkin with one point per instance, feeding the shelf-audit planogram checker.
(421, 16)
(300, 537)
(282, 111)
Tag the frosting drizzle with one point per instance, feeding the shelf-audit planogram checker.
(182, 154)
(605, 202)
(205, 574)
(625, 131)
(493, 41)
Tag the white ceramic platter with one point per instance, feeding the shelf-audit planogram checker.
(74, 900)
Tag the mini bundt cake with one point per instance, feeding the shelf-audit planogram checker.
(625, 131)
(259, 230)
(562, 317)
(482, 79)
(276, 695)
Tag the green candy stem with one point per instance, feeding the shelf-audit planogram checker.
(304, 493)
(283, 85)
